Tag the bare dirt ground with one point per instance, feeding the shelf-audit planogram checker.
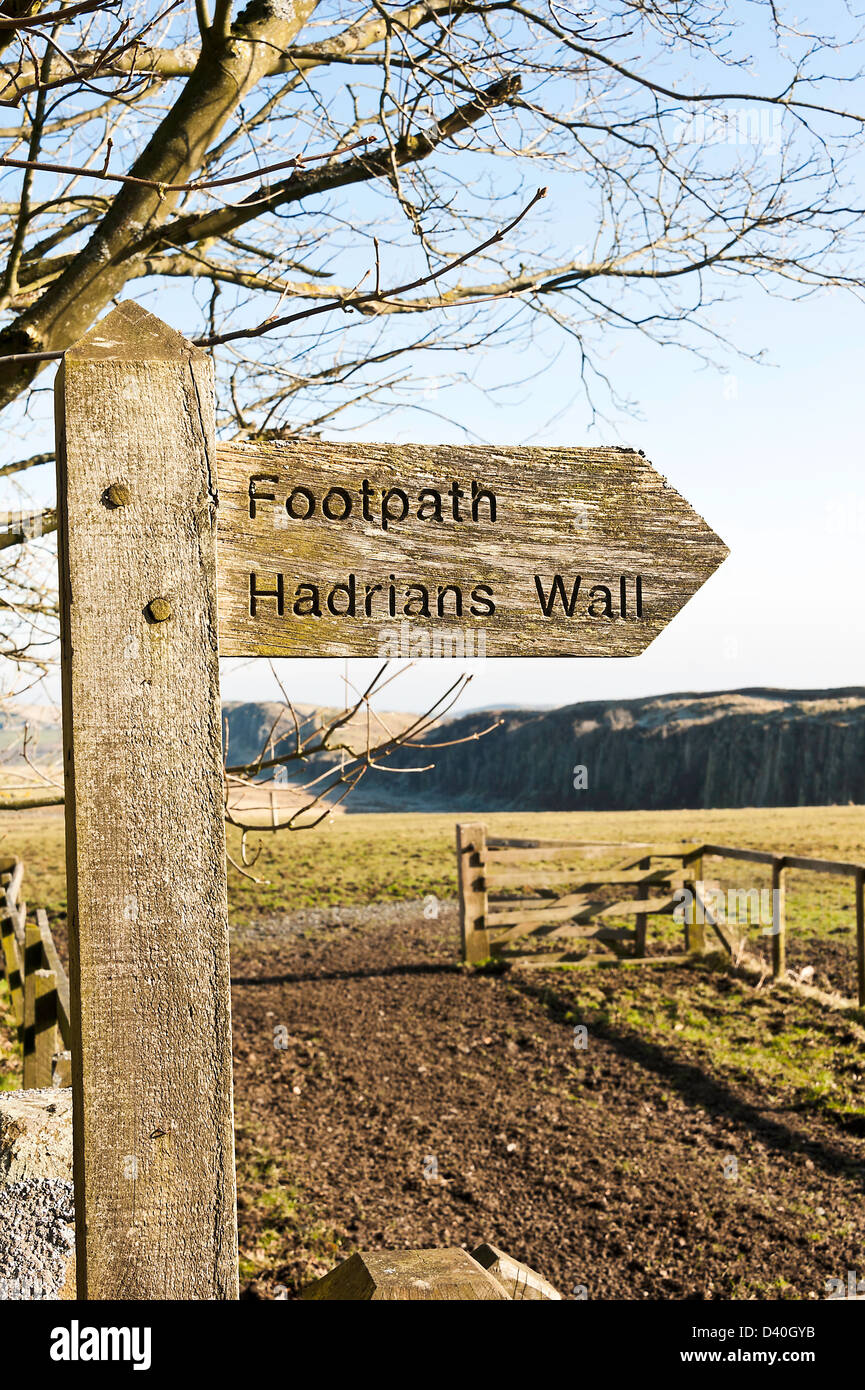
(388, 1098)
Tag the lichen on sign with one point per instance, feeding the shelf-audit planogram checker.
(324, 548)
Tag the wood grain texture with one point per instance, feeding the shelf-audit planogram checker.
(603, 515)
(519, 1281)
(12, 961)
(40, 1071)
(694, 924)
(408, 1276)
(860, 934)
(32, 963)
(54, 964)
(779, 919)
(641, 921)
(149, 977)
(471, 844)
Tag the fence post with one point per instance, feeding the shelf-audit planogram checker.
(45, 1039)
(471, 852)
(641, 921)
(153, 1147)
(779, 918)
(695, 931)
(860, 934)
(32, 963)
(12, 961)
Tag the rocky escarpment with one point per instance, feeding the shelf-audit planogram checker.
(757, 747)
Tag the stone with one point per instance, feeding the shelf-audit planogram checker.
(37, 1230)
(37, 1240)
(35, 1134)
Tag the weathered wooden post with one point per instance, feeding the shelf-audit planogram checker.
(12, 958)
(641, 921)
(40, 1041)
(471, 847)
(860, 934)
(151, 1032)
(779, 918)
(695, 912)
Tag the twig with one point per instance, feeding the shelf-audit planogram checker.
(194, 185)
(354, 301)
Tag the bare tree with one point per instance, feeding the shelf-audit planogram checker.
(321, 756)
(338, 195)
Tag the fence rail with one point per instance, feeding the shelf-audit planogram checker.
(494, 921)
(38, 984)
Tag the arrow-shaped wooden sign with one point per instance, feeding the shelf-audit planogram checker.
(407, 551)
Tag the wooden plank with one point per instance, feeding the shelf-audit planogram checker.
(155, 1199)
(779, 919)
(509, 900)
(41, 1036)
(666, 849)
(450, 543)
(532, 878)
(539, 929)
(510, 934)
(574, 877)
(860, 935)
(519, 1281)
(471, 842)
(54, 963)
(13, 965)
(839, 868)
(32, 963)
(750, 856)
(653, 907)
(641, 921)
(695, 935)
(13, 887)
(561, 911)
(506, 857)
(498, 842)
(394, 1276)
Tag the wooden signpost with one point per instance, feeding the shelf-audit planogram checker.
(373, 549)
(145, 841)
(324, 550)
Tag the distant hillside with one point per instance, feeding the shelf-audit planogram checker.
(757, 747)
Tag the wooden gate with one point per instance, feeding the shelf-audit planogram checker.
(516, 894)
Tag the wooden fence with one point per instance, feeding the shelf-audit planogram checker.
(507, 891)
(38, 984)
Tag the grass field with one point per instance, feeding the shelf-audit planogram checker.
(368, 858)
(365, 858)
(758, 1072)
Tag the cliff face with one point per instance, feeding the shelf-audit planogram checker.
(671, 752)
(756, 747)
